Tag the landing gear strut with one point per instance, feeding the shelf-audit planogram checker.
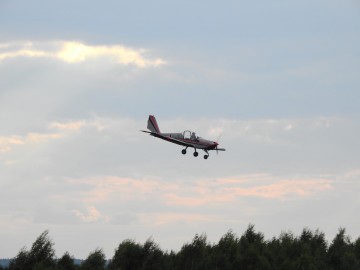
(206, 156)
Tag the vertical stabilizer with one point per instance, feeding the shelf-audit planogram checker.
(153, 125)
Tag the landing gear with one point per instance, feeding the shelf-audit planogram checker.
(183, 151)
(206, 156)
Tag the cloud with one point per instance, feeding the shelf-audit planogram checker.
(63, 129)
(77, 125)
(7, 143)
(103, 187)
(92, 214)
(203, 192)
(73, 125)
(77, 52)
(222, 191)
(159, 219)
(285, 189)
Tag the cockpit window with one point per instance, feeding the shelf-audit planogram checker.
(187, 134)
(190, 135)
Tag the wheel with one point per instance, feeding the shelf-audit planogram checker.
(206, 156)
(196, 154)
(183, 151)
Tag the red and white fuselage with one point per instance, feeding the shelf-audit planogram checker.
(186, 138)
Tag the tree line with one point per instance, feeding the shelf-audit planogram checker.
(250, 251)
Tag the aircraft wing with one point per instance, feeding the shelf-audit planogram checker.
(218, 149)
(169, 139)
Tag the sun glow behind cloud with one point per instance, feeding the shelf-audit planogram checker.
(77, 52)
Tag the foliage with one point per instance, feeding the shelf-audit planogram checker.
(95, 261)
(194, 255)
(66, 262)
(128, 255)
(131, 255)
(40, 256)
(250, 251)
(341, 253)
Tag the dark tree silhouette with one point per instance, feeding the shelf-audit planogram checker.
(341, 253)
(193, 256)
(66, 262)
(40, 256)
(153, 256)
(250, 251)
(129, 255)
(20, 261)
(95, 261)
(226, 252)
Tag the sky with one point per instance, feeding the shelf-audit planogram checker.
(276, 82)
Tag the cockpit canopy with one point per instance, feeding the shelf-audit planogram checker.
(190, 135)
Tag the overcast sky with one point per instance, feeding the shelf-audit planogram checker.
(277, 81)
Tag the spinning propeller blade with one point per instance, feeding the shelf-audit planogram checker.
(217, 141)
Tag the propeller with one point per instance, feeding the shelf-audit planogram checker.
(217, 143)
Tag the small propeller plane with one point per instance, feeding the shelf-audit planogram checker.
(186, 138)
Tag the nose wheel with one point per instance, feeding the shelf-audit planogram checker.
(196, 154)
(183, 151)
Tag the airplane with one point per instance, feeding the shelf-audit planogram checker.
(186, 138)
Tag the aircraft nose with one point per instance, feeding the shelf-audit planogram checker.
(216, 144)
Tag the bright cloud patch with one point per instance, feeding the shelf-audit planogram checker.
(77, 52)
(91, 215)
(159, 219)
(284, 189)
(6, 143)
(218, 191)
(62, 129)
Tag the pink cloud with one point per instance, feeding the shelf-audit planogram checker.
(106, 187)
(284, 189)
(196, 200)
(90, 215)
(229, 190)
(199, 193)
(159, 219)
(6, 143)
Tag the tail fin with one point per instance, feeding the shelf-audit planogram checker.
(152, 124)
